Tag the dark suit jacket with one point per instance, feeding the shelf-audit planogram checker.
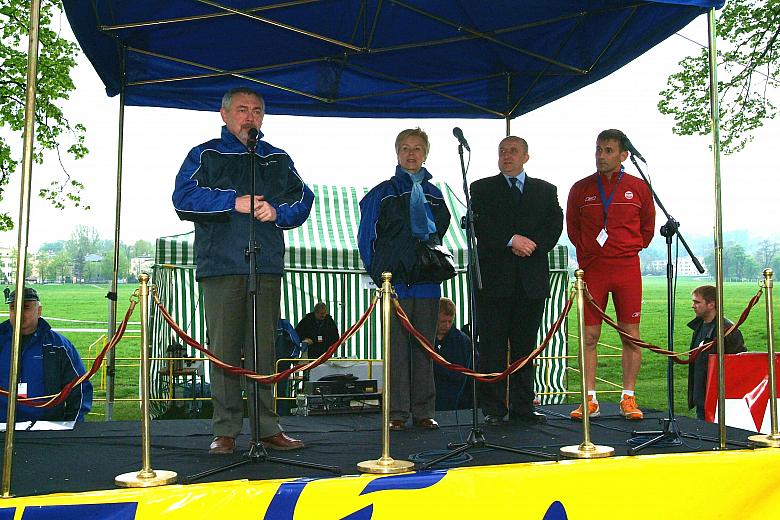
(540, 218)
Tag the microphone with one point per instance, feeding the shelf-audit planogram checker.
(631, 148)
(251, 141)
(458, 133)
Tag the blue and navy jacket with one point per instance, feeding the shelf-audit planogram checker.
(211, 177)
(48, 362)
(385, 235)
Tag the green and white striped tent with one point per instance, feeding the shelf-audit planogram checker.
(322, 263)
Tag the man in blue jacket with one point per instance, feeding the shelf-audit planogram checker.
(48, 361)
(214, 190)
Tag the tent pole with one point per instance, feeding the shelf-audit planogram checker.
(112, 294)
(24, 231)
(508, 116)
(715, 123)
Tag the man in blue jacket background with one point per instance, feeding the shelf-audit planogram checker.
(214, 190)
(48, 361)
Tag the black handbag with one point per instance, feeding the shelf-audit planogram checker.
(434, 263)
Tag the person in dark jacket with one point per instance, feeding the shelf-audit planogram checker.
(395, 217)
(214, 189)
(704, 326)
(518, 220)
(318, 330)
(48, 362)
(452, 389)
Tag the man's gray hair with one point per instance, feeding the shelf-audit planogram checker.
(227, 99)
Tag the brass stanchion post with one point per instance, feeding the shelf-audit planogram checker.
(773, 439)
(147, 477)
(385, 464)
(586, 450)
(24, 229)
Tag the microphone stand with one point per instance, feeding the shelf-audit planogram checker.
(669, 434)
(476, 438)
(257, 452)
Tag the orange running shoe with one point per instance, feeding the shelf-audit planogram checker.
(593, 410)
(629, 409)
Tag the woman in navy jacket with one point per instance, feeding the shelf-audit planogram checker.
(396, 215)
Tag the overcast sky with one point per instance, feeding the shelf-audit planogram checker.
(360, 152)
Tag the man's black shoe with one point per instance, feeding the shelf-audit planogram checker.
(528, 418)
(494, 420)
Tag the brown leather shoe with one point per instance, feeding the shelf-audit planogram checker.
(282, 442)
(397, 425)
(428, 424)
(222, 446)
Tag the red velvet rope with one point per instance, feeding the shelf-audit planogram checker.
(485, 378)
(676, 356)
(264, 379)
(56, 399)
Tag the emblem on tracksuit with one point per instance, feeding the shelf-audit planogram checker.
(629, 195)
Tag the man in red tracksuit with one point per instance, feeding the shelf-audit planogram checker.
(610, 217)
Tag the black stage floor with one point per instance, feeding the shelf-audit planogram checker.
(94, 453)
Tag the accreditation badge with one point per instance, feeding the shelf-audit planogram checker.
(602, 238)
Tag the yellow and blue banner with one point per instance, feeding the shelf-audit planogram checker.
(711, 485)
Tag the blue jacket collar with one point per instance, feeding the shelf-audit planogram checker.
(232, 140)
(43, 328)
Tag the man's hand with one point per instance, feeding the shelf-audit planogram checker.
(264, 211)
(308, 341)
(523, 246)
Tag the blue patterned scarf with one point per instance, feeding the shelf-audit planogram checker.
(422, 224)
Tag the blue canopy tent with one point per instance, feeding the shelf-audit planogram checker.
(351, 58)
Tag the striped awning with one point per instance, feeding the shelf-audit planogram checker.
(328, 239)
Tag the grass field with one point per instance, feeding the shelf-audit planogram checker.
(87, 304)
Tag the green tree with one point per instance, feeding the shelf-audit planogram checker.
(53, 130)
(62, 266)
(766, 253)
(776, 266)
(143, 248)
(83, 241)
(107, 265)
(43, 262)
(748, 73)
(52, 247)
(737, 264)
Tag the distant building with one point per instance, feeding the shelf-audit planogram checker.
(141, 264)
(7, 265)
(684, 267)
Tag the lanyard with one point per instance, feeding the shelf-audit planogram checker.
(606, 201)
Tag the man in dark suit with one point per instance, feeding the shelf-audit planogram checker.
(518, 221)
